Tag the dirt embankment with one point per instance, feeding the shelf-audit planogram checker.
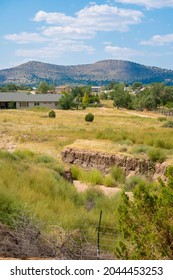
(103, 162)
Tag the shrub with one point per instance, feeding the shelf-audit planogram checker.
(162, 119)
(118, 174)
(132, 182)
(10, 209)
(109, 181)
(140, 149)
(52, 114)
(75, 171)
(163, 144)
(168, 124)
(156, 155)
(95, 177)
(44, 159)
(23, 154)
(89, 117)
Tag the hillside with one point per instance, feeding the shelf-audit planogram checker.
(98, 73)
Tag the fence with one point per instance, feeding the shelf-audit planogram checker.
(94, 242)
(165, 112)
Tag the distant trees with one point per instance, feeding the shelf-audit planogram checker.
(43, 87)
(80, 97)
(67, 102)
(121, 98)
(13, 87)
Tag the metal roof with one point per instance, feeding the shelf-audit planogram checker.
(27, 97)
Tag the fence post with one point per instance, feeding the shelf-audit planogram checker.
(98, 236)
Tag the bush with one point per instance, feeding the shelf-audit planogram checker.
(75, 170)
(52, 114)
(168, 124)
(89, 117)
(109, 181)
(156, 155)
(161, 119)
(118, 174)
(95, 177)
(140, 149)
(44, 159)
(132, 182)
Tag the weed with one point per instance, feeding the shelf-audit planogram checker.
(168, 124)
(109, 181)
(156, 155)
(132, 182)
(118, 174)
(162, 119)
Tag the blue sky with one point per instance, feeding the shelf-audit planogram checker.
(68, 32)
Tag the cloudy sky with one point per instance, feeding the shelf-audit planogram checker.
(69, 32)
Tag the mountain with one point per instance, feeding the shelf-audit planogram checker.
(101, 72)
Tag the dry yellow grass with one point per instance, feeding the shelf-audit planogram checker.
(112, 130)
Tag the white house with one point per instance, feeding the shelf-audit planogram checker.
(23, 100)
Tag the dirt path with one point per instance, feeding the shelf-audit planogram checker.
(147, 115)
(82, 187)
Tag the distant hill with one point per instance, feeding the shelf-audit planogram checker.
(98, 73)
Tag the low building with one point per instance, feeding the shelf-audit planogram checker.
(95, 89)
(23, 100)
(61, 89)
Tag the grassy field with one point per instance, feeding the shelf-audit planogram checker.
(112, 131)
(31, 176)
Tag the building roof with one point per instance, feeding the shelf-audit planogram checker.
(27, 97)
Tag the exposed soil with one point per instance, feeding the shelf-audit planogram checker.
(7, 142)
(82, 187)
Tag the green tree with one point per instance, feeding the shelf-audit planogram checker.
(11, 87)
(66, 102)
(122, 99)
(146, 223)
(43, 87)
(85, 99)
(136, 85)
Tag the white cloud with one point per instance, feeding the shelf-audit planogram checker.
(107, 18)
(148, 3)
(53, 18)
(94, 18)
(68, 32)
(55, 50)
(122, 53)
(157, 40)
(25, 37)
(84, 25)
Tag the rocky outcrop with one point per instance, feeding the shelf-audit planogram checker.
(103, 161)
(67, 175)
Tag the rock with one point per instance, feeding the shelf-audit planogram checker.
(68, 176)
(103, 161)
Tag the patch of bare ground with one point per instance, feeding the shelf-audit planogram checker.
(82, 187)
(143, 114)
(7, 142)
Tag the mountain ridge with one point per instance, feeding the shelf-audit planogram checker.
(98, 73)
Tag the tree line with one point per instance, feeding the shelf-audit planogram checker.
(139, 97)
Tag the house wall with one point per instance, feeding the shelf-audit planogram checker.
(26, 105)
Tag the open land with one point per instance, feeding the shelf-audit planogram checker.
(30, 173)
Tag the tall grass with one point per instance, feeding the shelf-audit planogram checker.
(28, 183)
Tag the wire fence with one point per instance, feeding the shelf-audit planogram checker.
(93, 242)
(166, 112)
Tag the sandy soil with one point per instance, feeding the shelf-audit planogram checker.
(81, 187)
